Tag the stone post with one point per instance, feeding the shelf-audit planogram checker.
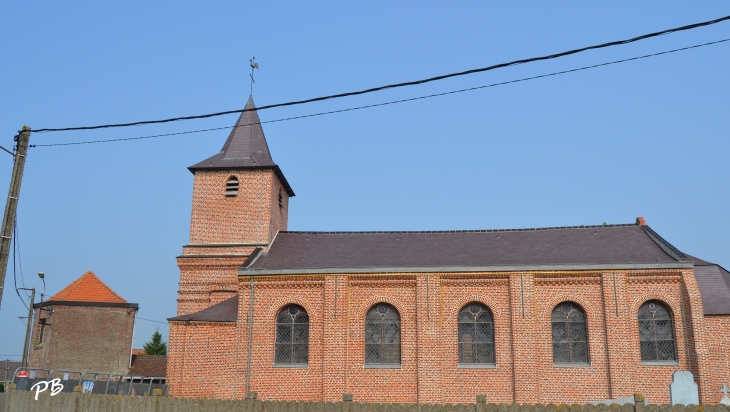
(250, 402)
(639, 402)
(481, 405)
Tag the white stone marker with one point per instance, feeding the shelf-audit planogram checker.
(725, 400)
(683, 389)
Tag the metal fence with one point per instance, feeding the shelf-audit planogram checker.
(96, 383)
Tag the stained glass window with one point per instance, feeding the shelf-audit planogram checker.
(656, 332)
(570, 334)
(292, 336)
(476, 334)
(382, 335)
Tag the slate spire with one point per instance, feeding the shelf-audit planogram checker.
(245, 148)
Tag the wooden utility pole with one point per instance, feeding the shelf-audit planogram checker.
(11, 206)
(24, 361)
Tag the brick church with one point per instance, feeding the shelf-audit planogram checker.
(549, 315)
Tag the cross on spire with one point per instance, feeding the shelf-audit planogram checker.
(253, 65)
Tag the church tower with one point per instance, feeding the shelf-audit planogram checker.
(240, 203)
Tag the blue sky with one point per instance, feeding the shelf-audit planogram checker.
(646, 138)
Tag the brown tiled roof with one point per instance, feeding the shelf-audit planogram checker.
(714, 283)
(148, 366)
(326, 252)
(245, 148)
(226, 311)
(87, 288)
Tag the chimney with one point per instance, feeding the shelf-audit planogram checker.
(640, 221)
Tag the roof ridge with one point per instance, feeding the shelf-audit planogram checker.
(73, 286)
(304, 232)
(110, 289)
(667, 247)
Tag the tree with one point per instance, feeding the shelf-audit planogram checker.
(156, 346)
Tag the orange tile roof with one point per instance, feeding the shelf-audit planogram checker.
(88, 288)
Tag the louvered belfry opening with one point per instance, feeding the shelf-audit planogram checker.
(656, 332)
(232, 186)
(570, 334)
(382, 335)
(292, 336)
(476, 335)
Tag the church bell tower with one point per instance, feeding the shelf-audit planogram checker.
(240, 203)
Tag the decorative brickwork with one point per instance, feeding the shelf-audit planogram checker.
(253, 216)
(429, 371)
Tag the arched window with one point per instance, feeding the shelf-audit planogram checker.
(382, 335)
(292, 336)
(232, 186)
(656, 332)
(476, 335)
(570, 334)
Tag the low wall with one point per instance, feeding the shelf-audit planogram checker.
(20, 401)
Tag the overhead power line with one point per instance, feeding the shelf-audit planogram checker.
(150, 320)
(397, 85)
(391, 102)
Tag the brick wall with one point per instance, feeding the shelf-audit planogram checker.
(207, 280)
(251, 217)
(87, 338)
(224, 230)
(201, 359)
(521, 304)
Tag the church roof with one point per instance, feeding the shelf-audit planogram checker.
(570, 248)
(87, 288)
(245, 148)
(226, 311)
(714, 283)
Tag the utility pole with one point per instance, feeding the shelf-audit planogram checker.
(11, 206)
(28, 329)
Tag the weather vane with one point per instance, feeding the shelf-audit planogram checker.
(254, 65)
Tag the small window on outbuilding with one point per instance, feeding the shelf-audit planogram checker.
(232, 186)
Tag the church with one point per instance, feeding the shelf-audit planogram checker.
(547, 315)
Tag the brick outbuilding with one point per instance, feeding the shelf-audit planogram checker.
(548, 315)
(84, 327)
